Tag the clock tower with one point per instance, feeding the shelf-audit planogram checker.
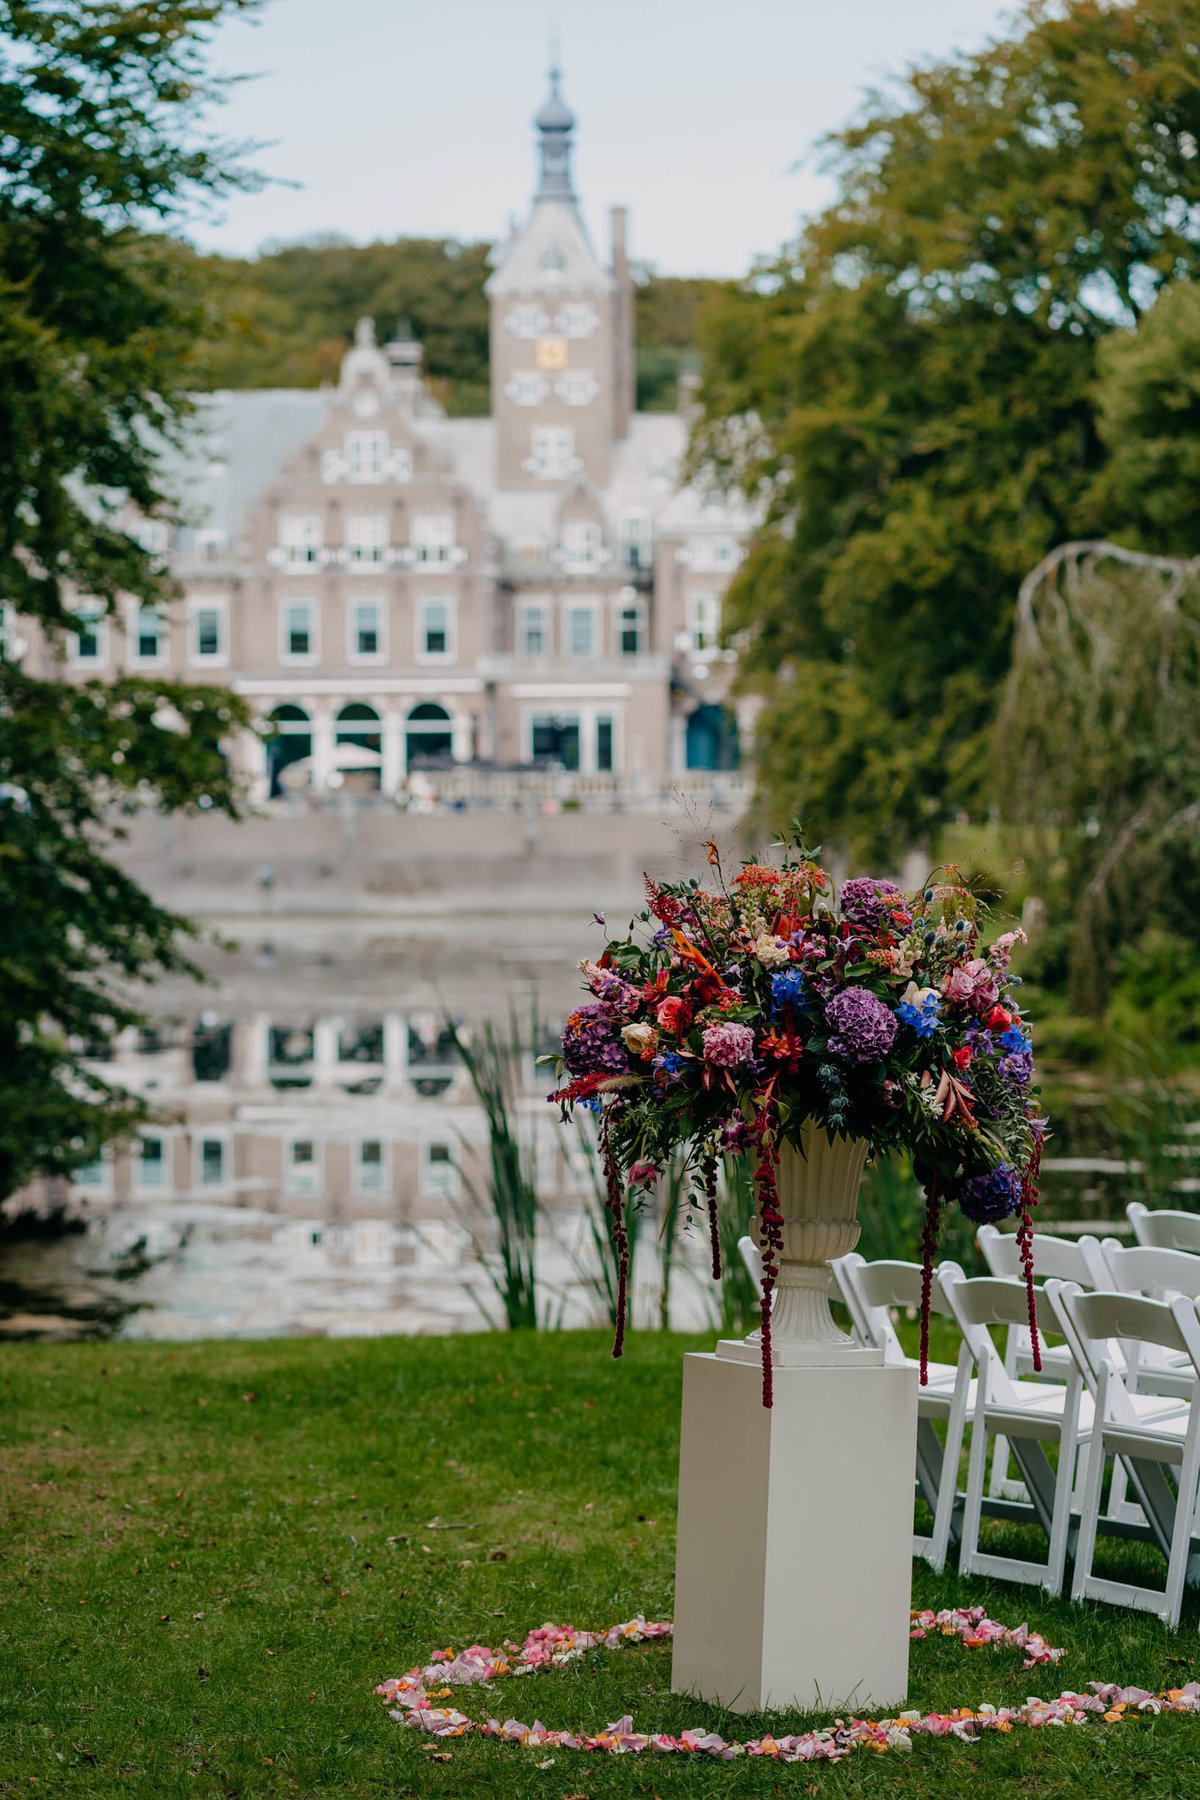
(561, 331)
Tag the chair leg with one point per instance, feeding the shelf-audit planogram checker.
(999, 1478)
(943, 1518)
(1060, 1521)
(1093, 1481)
(1181, 1536)
(976, 1476)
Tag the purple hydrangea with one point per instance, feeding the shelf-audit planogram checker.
(863, 1029)
(591, 1044)
(1017, 1068)
(868, 903)
(986, 1199)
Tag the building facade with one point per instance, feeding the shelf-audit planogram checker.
(398, 592)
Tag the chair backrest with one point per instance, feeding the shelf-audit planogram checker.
(1163, 1228)
(1054, 1258)
(989, 1300)
(1145, 1269)
(1096, 1326)
(873, 1289)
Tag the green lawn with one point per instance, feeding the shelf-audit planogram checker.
(212, 1553)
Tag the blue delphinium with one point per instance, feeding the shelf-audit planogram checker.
(787, 989)
(922, 1018)
(1014, 1039)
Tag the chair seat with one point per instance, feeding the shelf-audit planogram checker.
(1039, 1413)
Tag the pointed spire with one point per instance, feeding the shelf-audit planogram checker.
(555, 123)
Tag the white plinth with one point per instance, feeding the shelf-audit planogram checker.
(793, 1567)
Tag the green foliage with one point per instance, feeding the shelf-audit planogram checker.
(1156, 999)
(909, 391)
(100, 136)
(508, 1194)
(1102, 757)
(1149, 399)
(78, 932)
(285, 318)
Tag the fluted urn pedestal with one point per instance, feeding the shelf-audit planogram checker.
(794, 1554)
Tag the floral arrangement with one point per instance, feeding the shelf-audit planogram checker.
(743, 1010)
(412, 1698)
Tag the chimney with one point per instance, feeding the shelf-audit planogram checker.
(624, 364)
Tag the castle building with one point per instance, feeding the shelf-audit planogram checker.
(399, 591)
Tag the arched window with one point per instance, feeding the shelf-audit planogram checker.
(292, 743)
(358, 747)
(428, 734)
(712, 738)
(359, 724)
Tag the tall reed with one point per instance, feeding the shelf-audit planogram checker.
(508, 1192)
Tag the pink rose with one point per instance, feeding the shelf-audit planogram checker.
(972, 984)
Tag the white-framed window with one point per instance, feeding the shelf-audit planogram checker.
(630, 623)
(298, 631)
(211, 543)
(147, 637)
(301, 538)
(94, 1177)
(152, 1163)
(153, 536)
(552, 452)
(637, 538)
(527, 321)
(586, 740)
(528, 388)
(578, 319)
(366, 454)
(369, 1171)
(302, 1174)
(533, 628)
(89, 644)
(555, 737)
(712, 555)
(365, 634)
(582, 544)
(432, 538)
(366, 540)
(435, 630)
(438, 1176)
(213, 1159)
(580, 634)
(207, 638)
(578, 387)
(703, 623)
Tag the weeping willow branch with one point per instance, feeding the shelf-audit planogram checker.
(1099, 744)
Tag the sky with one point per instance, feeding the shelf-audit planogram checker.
(397, 119)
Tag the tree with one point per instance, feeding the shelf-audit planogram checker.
(100, 139)
(1149, 403)
(1101, 753)
(285, 318)
(909, 394)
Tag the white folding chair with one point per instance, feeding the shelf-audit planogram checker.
(1147, 1443)
(1030, 1414)
(1158, 1275)
(1054, 1258)
(872, 1291)
(1164, 1229)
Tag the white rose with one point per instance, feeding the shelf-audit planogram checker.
(641, 1039)
(771, 952)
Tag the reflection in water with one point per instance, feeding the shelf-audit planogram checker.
(303, 1172)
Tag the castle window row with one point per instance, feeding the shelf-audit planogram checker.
(302, 549)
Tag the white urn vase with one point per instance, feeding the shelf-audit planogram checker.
(818, 1196)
